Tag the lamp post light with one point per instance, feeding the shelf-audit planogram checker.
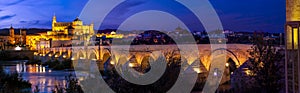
(101, 38)
(99, 48)
(131, 65)
(18, 48)
(216, 72)
(227, 64)
(198, 70)
(64, 56)
(112, 62)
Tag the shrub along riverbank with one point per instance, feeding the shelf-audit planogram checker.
(13, 83)
(55, 65)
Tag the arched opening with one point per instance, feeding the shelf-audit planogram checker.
(231, 65)
(93, 56)
(64, 55)
(133, 63)
(106, 57)
(92, 62)
(55, 55)
(80, 55)
(49, 54)
(105, 54)
(145, 64)
(231, 55)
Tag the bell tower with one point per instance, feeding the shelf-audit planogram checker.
(292, 55)
(12, 35)
(53, 21)
(11, 32)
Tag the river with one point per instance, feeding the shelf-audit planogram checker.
(37, 75)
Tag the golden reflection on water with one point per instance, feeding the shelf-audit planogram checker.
(40, 76)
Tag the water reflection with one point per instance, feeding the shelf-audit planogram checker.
(38, 75)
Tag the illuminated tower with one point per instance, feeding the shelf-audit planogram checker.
(12, 32)
(53, 21)
(12, 35)
(23, 36)
(292, 62)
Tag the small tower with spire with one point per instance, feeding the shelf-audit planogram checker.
(11, 31)
(92, 32)
(53, 20)
(12, 34)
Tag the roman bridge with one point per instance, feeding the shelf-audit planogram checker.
(140, 53)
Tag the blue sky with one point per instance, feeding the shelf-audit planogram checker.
(236, 15)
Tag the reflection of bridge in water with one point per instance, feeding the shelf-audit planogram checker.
(140, 53)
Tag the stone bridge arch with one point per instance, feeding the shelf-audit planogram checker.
(145, 62)
(92, 54)
(78, 54)
(105, 54)
(238, 56)
(230, 54)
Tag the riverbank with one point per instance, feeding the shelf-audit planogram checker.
(40, 77)
(54, 65)
(13, 82)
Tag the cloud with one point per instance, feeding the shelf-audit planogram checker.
(23, 22)
(14, 2)
(136, 3)
(131, 4)
(7, 17)
(31, 23)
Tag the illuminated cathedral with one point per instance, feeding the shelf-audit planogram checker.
(70, 28)
(62, 34)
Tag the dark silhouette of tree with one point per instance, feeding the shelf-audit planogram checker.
(13, 83)
(265, 65)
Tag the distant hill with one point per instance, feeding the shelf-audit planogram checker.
(28, 31)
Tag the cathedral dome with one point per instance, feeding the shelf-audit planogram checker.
(113, 33)
(77, 19)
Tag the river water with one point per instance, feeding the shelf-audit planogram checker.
(37, 75)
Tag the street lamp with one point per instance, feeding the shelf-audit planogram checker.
(215, 73)
(198, 70)
(18, 48)
(99, 46)
(227, 64)
(112, 62)
(131, 65)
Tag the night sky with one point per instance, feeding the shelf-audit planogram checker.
(236, 15)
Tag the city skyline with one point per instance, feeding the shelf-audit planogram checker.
(251, 16)
(137, 46)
